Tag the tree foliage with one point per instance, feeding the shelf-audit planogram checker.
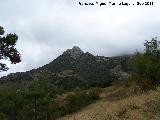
(41, 100)
(7, 49)
(147, 64)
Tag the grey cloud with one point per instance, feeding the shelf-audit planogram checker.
(48, 27)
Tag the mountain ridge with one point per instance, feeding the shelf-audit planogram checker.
(74, 68)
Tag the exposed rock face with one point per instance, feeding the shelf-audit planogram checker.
(75, 52)
(117, 71)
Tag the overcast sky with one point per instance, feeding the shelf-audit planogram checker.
(46, 28)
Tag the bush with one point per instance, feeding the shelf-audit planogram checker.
(79, 99)
(147, 65)
(94, 93)
(3, 116)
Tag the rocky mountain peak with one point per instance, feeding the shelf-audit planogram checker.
(75, 52)
(76, 48)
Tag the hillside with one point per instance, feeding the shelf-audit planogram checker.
(114, 104)
(74, 68)
(81, 86)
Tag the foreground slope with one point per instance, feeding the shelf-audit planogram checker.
(116, 105)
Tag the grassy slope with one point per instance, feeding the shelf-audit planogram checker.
(115, 104)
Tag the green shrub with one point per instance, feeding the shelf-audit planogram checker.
(79, 99)
(147, 65)
(93, 93)
(3, 116)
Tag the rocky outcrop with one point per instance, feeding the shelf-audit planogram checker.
(119, 73)
(75, 52)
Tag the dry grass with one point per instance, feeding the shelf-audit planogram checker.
(117, 104)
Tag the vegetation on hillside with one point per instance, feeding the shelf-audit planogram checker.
(68, 73)
(147, 65)
(40, 100)
(68, 84)
(117, 103)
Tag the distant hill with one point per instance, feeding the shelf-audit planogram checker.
(74, 68)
